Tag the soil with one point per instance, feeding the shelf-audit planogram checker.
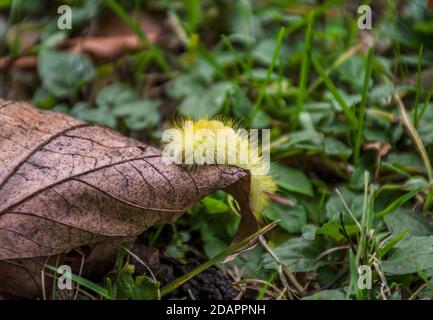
(211, 284)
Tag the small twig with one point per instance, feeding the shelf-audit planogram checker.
(146, 266)
(240, 294)
(282, 294)
(384, 289)
(284, 281)
(44, 295)
(348, 209)
(80, 271)
(283, 265)
(260, 282)
(325, 253)
(413, 296)
(343, 231)
(414, 135)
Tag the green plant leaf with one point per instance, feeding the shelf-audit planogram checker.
(332, 229)
(388, 245)
(335, 206)
(425, 125)
(404, 160)
(215, 206)
(299, 254)
(292, 180)
(63, 73)
(206, 103)
(138, 114)
(115, 95)
(334, 147)
(185, 85)
(352, 71)
(398, 202)
(309, 231)
(403, 218)
(120, 101)
(291, 219)
(336, 294)
(410, 255)
(101, 115)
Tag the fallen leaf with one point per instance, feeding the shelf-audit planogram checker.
(103, 47)
(24, 62)
(110, 37)
(107, 39)
(65, 184)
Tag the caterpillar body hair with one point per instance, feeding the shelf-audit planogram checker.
(206, 141)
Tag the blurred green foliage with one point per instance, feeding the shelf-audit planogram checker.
(256, 62)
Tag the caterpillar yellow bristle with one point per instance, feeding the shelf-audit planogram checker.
(220, 141)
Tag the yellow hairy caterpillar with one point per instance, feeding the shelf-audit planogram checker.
(217, 141)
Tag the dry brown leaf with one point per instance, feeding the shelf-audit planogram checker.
(104, 47)
(65, 184)
(108, 38)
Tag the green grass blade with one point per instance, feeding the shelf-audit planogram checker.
(331, 87)
(353, 268)
(415, 136)
(265, 286)
(83, 282)
(427, 101)
(398, 203)
(362, 244)
(245, 66)
(193, 9)
(125, 17)
(279, 41)
(305, 69)
(391, 243)
(361, 113)
(212, 61)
